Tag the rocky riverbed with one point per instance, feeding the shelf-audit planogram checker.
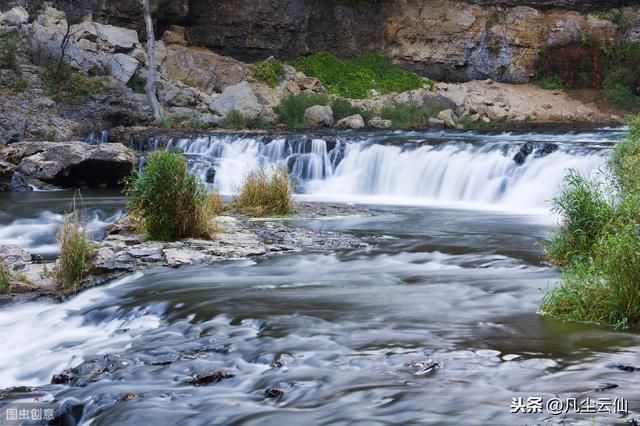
(124, 250)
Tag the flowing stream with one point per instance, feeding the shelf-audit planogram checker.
(453, 274)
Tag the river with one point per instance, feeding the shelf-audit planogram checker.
(453, 275)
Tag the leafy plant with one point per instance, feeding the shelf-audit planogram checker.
(410, 115)
(137, 83)
(76, 250)
(5, 278)
(238, 120)
(268, 71)
(359, 78)
(266, 194)
(292, 107)
(66, 85)
(552, 83)
(170, 203)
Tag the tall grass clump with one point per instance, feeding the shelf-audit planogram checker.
(76, 250)
(169, 203)
(359, 78)
(266, 193)
(5, 278)
(597, 243)
(410, 115)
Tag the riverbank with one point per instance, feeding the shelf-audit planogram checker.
(124, 250)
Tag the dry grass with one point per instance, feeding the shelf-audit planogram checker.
(76, 250)
(266, 194)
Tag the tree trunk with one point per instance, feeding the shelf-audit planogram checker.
(151, 63)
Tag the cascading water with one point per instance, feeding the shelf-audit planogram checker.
(405, 166)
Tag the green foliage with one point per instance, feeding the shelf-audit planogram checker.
(76, 250)
(5, 279)
(266, 194)
(137, 83)
(552, 83)
(343, 108)
(267, 71)
(9, 41)
(410, 115)
(356, 78)
(237, 120)
(52, 134)
(170, 203)
(66, 85)
(292, 107)
(597, 243)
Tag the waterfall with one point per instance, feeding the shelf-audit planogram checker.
(417, 167)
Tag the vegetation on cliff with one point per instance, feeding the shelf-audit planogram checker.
(292, 107)
(169, 202)
(597, 244)
(359, 78)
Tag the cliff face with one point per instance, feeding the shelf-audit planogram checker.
(443, 39)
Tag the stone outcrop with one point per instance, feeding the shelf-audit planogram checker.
(71, 163)
(26, 274)
(318, 115)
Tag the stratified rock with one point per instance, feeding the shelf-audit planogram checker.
(319, 115)
(72, 163)
(201, 68)
(352, 122)
(240, 97)
(123, 67)
(14, 17)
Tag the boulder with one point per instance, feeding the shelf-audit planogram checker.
(179, 96)
(352, 122)
(51, 17)
(211, 175)
(116, 39)
(448, 117)
(175, 35)
(6, 173)
(240, 97)
(435, 123)
(319, 115)
(201, 68)
(72, 163)
(380, 123)
(122, 66)
(14, 17)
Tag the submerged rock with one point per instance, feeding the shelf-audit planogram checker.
(209, 378)
(273, 393)
(540, 150)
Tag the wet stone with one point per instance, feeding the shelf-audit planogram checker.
(209, 378)
(273, 393)
(422, 367)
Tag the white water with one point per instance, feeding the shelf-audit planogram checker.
(406, 167)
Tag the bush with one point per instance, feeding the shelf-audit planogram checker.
(137, 83)
(552, 83)
(5, 278)
(597, 243)
(237, 120)
(266, 194)
(292, 107)
(75, 253)
(170, 203)
(267, 71)
(356, 78)
(9, 49)
(343, 108)
(66, 85)
(410, 115)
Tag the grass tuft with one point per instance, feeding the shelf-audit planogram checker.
(5, 278)
(69, 86)
(267, 71)
(170, 203)
(410, 115)
(266, 193)
(76, 250)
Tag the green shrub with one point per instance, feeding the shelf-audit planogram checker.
(343, 108)
(170, 203)
(267, 71)
(266, 194)
(356, 78)
(66, 85)
(620, 94)
(292, 107)
(410, 115)
(52, 134)
(597, 243)
(137, 83)
(552, 83)
(5, 278)
(238, 120)
(9, 49)
(76, 250)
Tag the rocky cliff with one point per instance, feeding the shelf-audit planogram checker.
(442, 39)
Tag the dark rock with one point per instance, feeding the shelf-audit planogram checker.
(540, 150)
(622, 367)
(422, 367)
(211, 175)
(606, 386)
(19, 183)
(209, 378)
(273, 393)
(16, 389)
